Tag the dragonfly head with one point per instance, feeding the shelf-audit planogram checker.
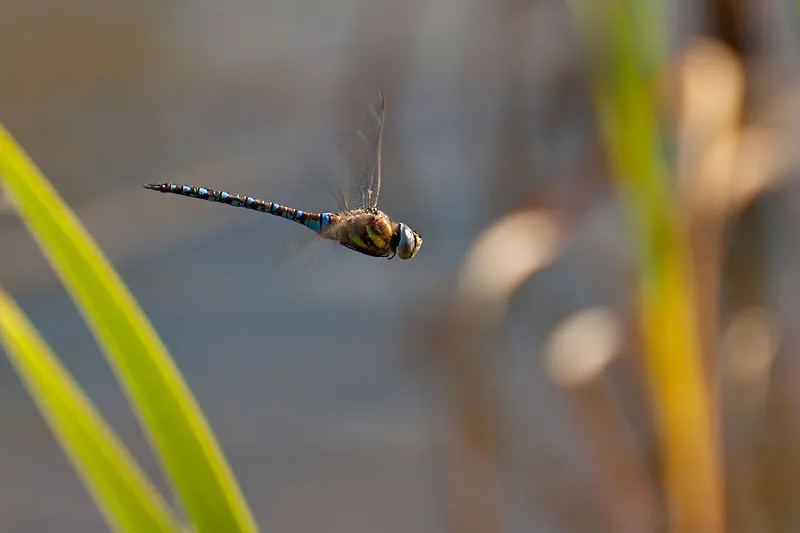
(408, 241)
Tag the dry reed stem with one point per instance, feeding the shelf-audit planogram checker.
(577, 353)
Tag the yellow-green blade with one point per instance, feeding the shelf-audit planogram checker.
(169, 414)
(119, 488)
(797, 12)
(624, 36)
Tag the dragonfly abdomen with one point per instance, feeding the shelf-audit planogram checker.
(315, 221)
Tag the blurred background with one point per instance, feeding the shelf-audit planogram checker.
(499, 380)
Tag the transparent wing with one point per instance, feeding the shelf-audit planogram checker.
(353, 174)
(374, 188)
(360, 161)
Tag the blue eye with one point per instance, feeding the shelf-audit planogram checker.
(409, 244)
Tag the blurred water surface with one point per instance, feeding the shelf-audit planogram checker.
(298, 362)
(312, 363)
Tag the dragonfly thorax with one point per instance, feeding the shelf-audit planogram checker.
(374, 233)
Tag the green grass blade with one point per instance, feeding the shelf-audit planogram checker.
(119, 488)
(169, 414)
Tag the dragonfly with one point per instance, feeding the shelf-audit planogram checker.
(365, 229)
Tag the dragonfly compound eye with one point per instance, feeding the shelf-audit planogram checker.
(410, 242)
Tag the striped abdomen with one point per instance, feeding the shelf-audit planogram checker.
(314, 221)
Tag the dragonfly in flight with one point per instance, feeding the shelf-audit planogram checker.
(365, 229)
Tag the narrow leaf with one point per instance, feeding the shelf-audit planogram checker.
(166, 408)
(119, 488)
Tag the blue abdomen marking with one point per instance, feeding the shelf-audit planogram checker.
(314, 221)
